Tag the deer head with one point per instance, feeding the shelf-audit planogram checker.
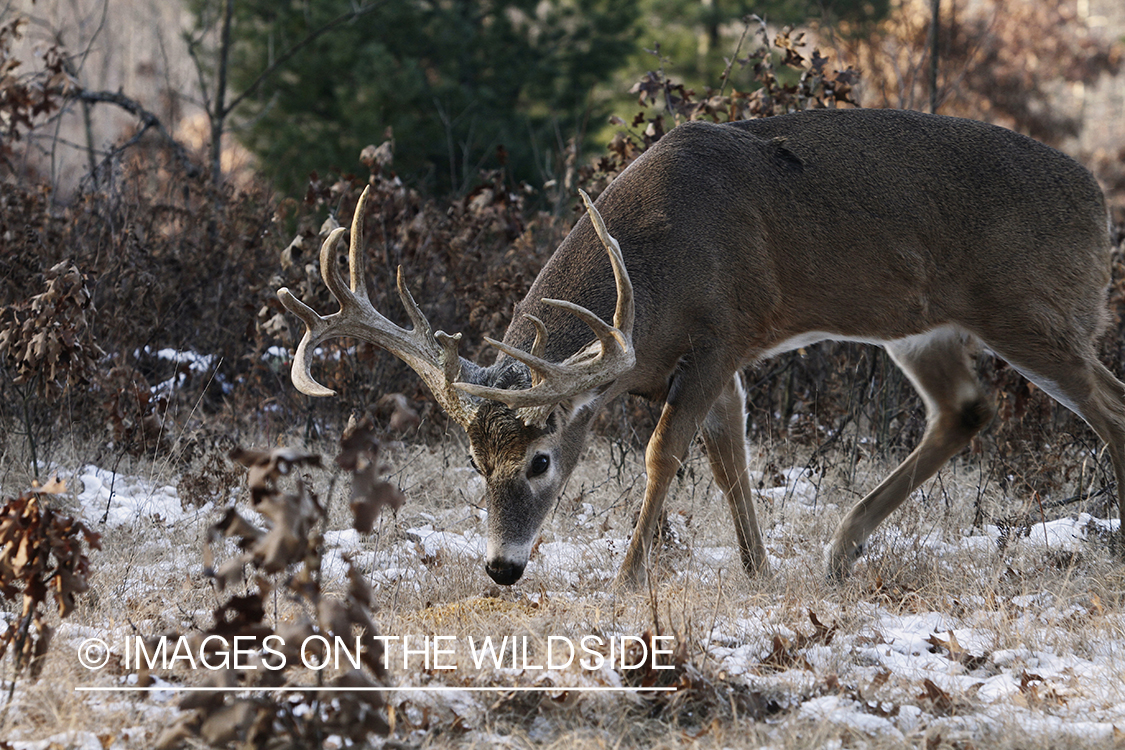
(526, 417)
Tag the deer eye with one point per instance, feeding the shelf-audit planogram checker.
(540, 464)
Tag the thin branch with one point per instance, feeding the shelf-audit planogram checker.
(93, 37)
(148, 121)
(192, 46)
(746, 21)
(1081, 496)
(218, 112)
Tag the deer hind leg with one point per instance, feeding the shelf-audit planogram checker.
(724, 436)
(939, 366)
(693, 390)
(1074, 377)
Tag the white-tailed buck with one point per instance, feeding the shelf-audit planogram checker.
(927, 235)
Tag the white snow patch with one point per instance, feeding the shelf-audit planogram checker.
(187, 363)
(434, 542)
(844, 711)
(129, 499)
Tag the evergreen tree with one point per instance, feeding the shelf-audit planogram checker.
(454, 80)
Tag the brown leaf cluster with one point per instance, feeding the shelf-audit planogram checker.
(953, 651)
(292, 515)
(45, 339)
(701, 697)
(359, 454)
(785, 653)
(135, 416)
(1038, 693)
(42, 556)
(25, 97)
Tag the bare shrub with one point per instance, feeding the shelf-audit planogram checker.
(290, 548)
(999, 62)
(46, 350)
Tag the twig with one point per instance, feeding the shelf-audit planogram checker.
(746, 21)
(1081, 496)
(148, 121)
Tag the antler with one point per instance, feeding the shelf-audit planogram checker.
(432, 355)
(596, 364)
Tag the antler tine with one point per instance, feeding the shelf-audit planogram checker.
(416, 316)
(301, 372)
(433, 356)
(447, 357)
(606, 333)
(317, 325)
(355, 249)
(596, 364)
(623, 315)
(539, 347)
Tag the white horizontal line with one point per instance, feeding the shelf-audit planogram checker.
(401, 689)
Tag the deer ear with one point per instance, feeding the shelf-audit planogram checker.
(580, 406)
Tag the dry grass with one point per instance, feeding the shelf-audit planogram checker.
(758, 670)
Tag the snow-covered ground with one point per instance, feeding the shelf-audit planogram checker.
(887, 668)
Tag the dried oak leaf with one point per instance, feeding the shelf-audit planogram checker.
(233, 524)
(358, 587)
(402, 416)
(941, 701)
(67, 583)
(266, 466)
(240, 615)
(369, 497)
(359, 454)
(231, 572)
(292, 517)
(379, 156)
(356, 713)
(236, 722)
(332, 616)
(955, 652)
(293, 634)
(784, 654)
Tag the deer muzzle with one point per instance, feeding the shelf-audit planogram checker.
(505, 572)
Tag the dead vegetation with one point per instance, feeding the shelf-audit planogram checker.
(938, 616)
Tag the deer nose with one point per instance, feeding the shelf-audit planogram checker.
(503, 571)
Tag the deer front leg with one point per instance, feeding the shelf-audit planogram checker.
(724, 436)
(683, 414)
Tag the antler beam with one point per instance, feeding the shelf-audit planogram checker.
(432, 355)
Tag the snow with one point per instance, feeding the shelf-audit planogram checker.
(129, 499)
(1012, 668)
(188, 364)
(73, 740)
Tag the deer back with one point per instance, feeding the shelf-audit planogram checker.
(856, 224)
